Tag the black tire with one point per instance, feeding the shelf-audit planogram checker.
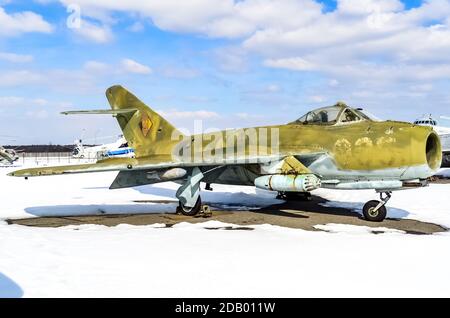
(191, 211)
(372, 216)
(446, 161)
(298, 196)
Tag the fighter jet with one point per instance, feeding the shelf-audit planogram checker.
(336, 147)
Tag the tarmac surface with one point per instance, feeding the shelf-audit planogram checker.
(292, 214)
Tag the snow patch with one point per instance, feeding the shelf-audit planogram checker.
(355, 229)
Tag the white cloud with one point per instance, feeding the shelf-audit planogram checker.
(38, 114)
(364, 40)
(317, 99)
(11, 101)
(333, 82)
(373, 46)
(136, 27)
(248, 116)
(379, 36)
(131, 66)
(273, 88)
(362, 7)
(199, 99)
(422, 87)
(96, 67)
(20, 77)
(31, 107)
(15, 58)
(86, 79)
(179, 72)
(295, 34)
(63, 80)
(292, 63)
(298, 35)
(100, 34)
(214, 18)
(231, 59)
(22, 22)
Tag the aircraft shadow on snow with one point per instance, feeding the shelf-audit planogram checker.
(9, 288)
(217, 200)
(323, 206)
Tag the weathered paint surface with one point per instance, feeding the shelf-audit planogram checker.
(385, 149)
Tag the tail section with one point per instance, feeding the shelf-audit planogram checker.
(144, 129)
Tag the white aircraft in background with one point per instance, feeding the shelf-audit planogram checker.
(443, 132)
(119, 148)
(7, 156)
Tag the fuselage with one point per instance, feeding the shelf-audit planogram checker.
(366, 150)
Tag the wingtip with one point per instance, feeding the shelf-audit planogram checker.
(20, 173)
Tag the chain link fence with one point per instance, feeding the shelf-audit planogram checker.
(51, 158)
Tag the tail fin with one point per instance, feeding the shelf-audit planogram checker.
(144, 129)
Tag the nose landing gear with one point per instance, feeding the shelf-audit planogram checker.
(375, 211)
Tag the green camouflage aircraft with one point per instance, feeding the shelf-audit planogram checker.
(336, 147)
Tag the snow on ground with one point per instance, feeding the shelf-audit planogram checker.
(430, 204)
(189, 260)
(86, 194)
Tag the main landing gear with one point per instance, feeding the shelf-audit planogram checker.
(188, 194)
(375, 211)
(294, 196)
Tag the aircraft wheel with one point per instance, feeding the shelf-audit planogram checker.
(294, 196)
(446, 161)
(371, 215)
(190, 211)
(299, 196)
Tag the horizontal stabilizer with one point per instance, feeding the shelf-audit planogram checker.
(110, 164)
(100, 111)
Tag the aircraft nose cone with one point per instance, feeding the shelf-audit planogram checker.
(11, 174)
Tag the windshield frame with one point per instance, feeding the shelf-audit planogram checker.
(338, 119)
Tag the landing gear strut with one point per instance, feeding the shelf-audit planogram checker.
(188, 194)
(375, 211)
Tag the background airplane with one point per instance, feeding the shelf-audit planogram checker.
(119, 148)
(335, 147)
(443, 132)
(8, 156)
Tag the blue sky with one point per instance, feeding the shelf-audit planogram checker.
(228, 63)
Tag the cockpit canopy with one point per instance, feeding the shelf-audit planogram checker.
(333, 115)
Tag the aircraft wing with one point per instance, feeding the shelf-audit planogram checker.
(132, 164)
(110, 164)
(100, 112)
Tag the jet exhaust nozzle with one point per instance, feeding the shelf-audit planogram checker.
(288, 183)
(433, 151)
